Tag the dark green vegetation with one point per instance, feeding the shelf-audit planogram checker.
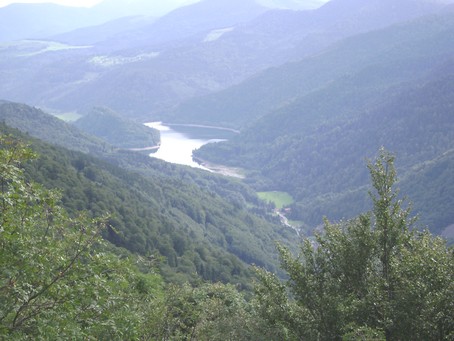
(116, 130)
(368, 278)
(197, 222)
(45, 127)
(58, 278)
(389, 88)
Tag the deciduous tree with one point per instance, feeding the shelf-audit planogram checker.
(373, 277)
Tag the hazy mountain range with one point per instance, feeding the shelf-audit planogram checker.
(143, 67)
(37, 21)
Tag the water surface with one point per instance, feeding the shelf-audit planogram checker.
(179, 141)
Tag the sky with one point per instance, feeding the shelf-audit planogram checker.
(80, 3)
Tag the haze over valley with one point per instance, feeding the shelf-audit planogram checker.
(204, 144)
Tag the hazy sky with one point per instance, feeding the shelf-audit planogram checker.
(89, 3)
(85, 3)
(81, 3)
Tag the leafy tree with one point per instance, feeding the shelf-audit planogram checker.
(57, 278)
(374, 277)
(205, 312)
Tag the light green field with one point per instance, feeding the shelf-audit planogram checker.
(280, 199)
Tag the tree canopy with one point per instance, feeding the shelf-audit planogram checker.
(372, 277)
(58, 278)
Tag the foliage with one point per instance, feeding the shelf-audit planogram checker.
(206, 312)
(194, 224)
(47, 128)
(373, 277)
(58, 280)
(116, 130)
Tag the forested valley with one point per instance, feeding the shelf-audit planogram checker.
(321, 207)
(372, 277)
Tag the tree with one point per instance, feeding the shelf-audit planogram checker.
(205, 312)
(373, 277)
(58, 280)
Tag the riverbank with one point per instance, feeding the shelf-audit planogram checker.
(144, 149)
(201, 126)
(221, 169)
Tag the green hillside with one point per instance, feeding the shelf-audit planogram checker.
(116, 130)
(352, 70)
(313, 147)
(199, 223)
(43, 126)
(60, 280)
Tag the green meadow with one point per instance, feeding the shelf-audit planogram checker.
(280, 199)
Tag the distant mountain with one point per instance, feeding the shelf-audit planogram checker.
(292, 4)
(39, 21)
(91, 76)
(93, 35)
(121, 8)
(193, 51)
(187, 21)
(392, 87)
(306, 33)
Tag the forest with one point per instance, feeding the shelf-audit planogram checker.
(196, 227)
(338, 108)
(372, 277)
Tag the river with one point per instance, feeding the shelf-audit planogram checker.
(179, 141)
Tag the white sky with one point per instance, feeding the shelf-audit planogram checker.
(79, 3)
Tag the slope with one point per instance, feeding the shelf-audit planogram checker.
(197, 222)
(314, 148)
(242, 104)
(190, 52)
(117, 130)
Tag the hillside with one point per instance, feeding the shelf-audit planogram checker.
(392, 90)
(42, 20)
(153, 65)
(117, 130)
(199, 223)
(43, 126)
(385, 52)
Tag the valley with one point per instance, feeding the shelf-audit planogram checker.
(227, 169)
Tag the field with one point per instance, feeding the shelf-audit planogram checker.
(280, 199)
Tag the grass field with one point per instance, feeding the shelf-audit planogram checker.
(280, 199)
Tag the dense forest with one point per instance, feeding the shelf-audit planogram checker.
(369, 278)
(199, 226)
(346, 103)
(117, 130)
